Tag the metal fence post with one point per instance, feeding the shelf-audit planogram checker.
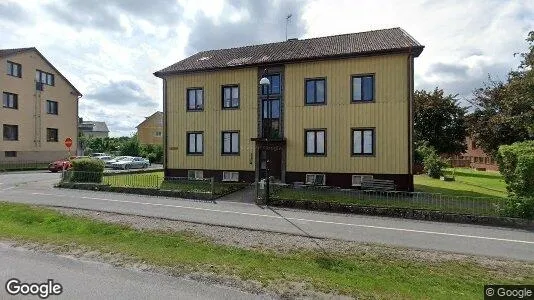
(212, 186)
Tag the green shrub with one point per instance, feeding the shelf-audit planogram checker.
(154, 153)
(433, 165)
(516, 164)
(431, 161)
(87, 170)
(517, 207)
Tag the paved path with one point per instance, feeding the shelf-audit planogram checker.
(93, 280)
(461, 238)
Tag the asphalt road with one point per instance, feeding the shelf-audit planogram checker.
(93, 280)
(35, 188)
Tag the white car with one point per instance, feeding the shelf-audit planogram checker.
(131, 163)
(110, 162)
(104, 158)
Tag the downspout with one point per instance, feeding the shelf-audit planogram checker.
(165, 150)
(410, 115)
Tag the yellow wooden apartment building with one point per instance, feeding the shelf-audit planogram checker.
(337, 108)
(150, 131)
(39, 108)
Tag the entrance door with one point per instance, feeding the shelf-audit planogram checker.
(275, 163)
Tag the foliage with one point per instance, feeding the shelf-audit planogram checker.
(86, 170)
(433, 165)
(430, 159)
(504, 111)
(516, 163)
(519, 207)
(154, 153)
(131, 147)
(440, 121)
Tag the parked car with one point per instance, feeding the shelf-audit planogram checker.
(59, 165)
(98, 154)
(103, 158)
(131, 163)
(110, 162)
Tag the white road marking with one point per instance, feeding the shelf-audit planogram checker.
(8, 188)
(304, 220)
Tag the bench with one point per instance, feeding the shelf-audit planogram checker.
(378, 185)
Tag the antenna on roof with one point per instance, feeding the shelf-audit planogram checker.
(287, 21)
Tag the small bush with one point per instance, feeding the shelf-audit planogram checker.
(517, 207)
(432, 163)
(87, 170)
(516, 164)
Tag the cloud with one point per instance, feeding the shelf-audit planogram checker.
(245, 23)
(121, 93)
(13, 12)
(445, 69)
(105, 15)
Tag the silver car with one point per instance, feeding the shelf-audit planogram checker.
(131, 163)
(110, 162)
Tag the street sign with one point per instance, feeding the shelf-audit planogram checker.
(68, 142)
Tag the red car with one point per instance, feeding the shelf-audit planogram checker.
(59, 165)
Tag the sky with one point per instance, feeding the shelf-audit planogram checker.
(110, 49)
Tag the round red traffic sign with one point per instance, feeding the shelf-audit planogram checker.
(68, 142)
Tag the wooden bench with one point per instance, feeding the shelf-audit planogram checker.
(378, 185)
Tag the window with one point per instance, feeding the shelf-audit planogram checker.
(230, 96)
(195, 142)
(195, 174)
(230, 176)
(10, 153)
(195, 99)
(315, 179)
(363, 88)
(11, 132)
(315, 142)
(315, 91)
(11, 100)
(44, 78)
(274, 87)
(51, 107)
(363, 141)
(158, 134)
(230, 142)
(51, 135)
(14, 69)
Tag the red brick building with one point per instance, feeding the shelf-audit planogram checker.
(477, 158)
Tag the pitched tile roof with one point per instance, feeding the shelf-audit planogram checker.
(345, 45)
(7, 52)
(14, 51)
(93, 126)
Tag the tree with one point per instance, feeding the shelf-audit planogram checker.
(131, 147)
(504, 111)
(440, 121)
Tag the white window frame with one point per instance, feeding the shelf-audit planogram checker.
(230, 176)
(195, 174)
(311, 179)
(358, 179)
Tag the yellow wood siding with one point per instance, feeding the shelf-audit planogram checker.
(146, 131)
(212, 120)
(388, 114)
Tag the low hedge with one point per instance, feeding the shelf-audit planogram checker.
(86, 170)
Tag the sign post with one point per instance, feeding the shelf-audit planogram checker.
(68, 144)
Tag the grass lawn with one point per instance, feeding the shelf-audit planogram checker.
(359, 274)
(468, 182)
(156, 180)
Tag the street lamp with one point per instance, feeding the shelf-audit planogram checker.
(266, 83)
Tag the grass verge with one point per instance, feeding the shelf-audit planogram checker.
(467, 182)
(156, 180)
(361, 274)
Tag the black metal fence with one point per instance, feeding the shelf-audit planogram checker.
(480, 206)
(22, 165)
